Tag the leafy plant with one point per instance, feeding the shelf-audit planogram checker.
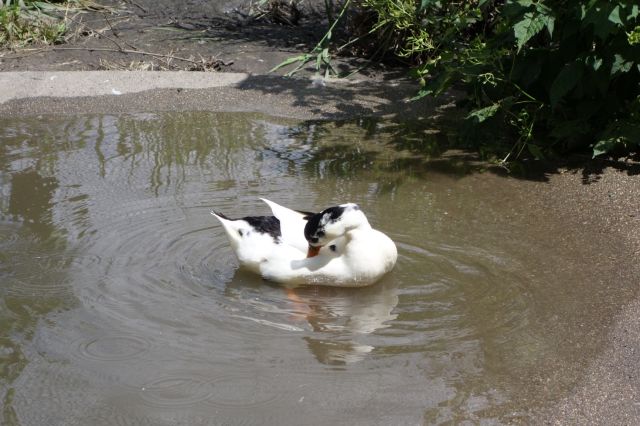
(562, 75)
(415, 30)
(30, 21)
(320, 53)
(549, 76)
(19, 27)
(23, 22)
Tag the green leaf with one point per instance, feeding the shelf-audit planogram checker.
(424, 4)
(435, 86)
(301, 58)
(593, 62)
(482, 114)
(528, 27)
(603, 146)
(421, 94)
(551, 21)
(623, 133)
(565, 81)
(524, 3)
(620, 65)
(614, 16)
(633, 37)
(44, 6)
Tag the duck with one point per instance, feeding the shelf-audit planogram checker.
(335, 247)
(280, 237)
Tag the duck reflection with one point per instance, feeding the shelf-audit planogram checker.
(339, 324)
(342, 318)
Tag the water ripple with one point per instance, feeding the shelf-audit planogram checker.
(112, 348)
(177, 390)
(243, 391)
(461, 284)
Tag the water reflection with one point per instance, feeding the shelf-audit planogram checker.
(31, 201)
(342, 322)
(122, 302)
(340, 319)
(169, 145)
(34, 258)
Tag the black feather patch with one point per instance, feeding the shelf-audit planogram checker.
(312, 226)
(336, 212)
(307, 215)
(265, 225)
(313, 223)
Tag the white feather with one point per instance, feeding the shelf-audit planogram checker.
(291, 225)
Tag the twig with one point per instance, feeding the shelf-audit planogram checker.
(110, 26)
(115, 33)
(137, 5)
(139, 52)
(31, 53)
(100, 34)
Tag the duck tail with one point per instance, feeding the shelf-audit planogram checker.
(231, 227)
(220, 215)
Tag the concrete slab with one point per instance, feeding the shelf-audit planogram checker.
(66, 84)
(109, 92)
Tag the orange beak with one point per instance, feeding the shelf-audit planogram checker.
(313, 251)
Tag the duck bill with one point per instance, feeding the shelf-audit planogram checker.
(313, 251)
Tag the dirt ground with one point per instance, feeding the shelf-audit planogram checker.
(202, 35)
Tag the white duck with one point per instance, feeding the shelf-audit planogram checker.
(342, 249)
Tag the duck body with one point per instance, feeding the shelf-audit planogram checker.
(356, 265)
(350, 253)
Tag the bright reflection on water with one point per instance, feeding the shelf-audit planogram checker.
(121, 302)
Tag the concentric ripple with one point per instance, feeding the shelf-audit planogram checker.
(32, 273)
(177, 391)
(243, 391)
(112, 348)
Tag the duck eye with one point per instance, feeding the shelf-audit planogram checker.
(240, 232)
(313, 240)
(332, 247)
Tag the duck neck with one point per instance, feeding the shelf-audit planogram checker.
(360, 228)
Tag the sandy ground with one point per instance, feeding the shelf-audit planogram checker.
(597, 197)
(605, 202)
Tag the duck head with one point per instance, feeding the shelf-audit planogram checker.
(332, 223)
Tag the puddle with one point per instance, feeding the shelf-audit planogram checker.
(121, 300)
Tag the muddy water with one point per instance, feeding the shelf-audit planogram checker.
(121, 302)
